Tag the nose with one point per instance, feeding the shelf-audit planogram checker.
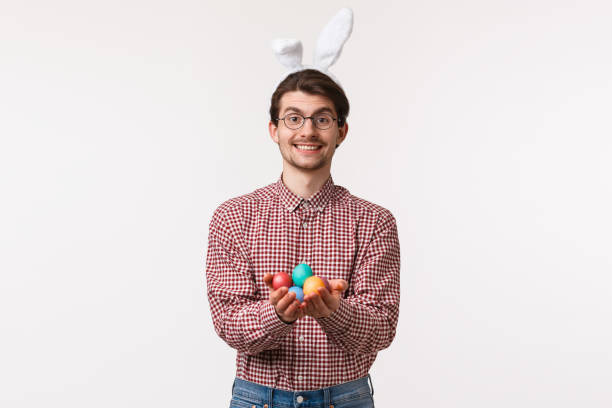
(308, 128)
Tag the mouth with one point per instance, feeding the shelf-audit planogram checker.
(307, 148)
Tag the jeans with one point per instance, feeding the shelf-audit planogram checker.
(352, 394)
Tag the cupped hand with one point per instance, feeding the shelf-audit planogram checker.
(286, 305)
(323, 302)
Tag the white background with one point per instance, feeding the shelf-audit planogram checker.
(484, 126)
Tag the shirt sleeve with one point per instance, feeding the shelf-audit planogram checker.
(366, 320)
(240, 317)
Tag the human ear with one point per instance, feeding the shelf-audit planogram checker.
(273, 129)
(342, 131)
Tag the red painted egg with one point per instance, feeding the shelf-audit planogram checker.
(281, 279)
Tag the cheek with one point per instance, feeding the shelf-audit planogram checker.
(278, 138)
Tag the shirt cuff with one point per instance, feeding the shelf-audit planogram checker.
(271, 323)
(339, 321)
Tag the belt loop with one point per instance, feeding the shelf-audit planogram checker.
(270, 396)
(326, 397)
(371, 385)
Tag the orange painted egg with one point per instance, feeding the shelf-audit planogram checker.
(312, 284)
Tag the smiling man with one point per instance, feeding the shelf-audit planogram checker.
(318, 352)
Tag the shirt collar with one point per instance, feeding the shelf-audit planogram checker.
(318, 201)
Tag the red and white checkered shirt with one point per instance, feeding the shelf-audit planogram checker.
(341, 237)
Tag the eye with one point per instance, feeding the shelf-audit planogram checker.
(294, 118)
(323, 119)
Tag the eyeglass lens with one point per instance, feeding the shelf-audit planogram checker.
(321, 121)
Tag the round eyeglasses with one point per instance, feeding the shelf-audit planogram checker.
(322, 121)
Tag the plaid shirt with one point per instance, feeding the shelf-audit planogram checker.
(341, 237)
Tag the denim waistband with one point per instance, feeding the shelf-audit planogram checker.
(276, 397)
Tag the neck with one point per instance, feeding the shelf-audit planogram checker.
(305, 184)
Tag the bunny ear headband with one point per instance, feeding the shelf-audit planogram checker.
(327, 51)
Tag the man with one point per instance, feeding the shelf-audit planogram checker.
(320, 351)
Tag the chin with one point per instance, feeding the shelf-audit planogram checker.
(315, 166)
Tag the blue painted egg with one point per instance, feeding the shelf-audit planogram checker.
(299, 293)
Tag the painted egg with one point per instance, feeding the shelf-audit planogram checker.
(299, 293)
(312, 284)
(281, 279)
(300, 274)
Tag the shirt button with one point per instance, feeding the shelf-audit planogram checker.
(301, 338)
(300, 378)
(299, 399)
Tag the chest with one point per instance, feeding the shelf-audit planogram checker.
(326, 240)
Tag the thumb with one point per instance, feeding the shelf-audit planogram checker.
(339, 285)
(268, 280)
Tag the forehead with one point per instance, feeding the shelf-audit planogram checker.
(305, 102)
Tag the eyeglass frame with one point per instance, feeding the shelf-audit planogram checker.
(312, 118)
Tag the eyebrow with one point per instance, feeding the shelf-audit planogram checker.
(293, 108)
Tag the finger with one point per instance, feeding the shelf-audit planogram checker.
(311, 308)
(318, 305)
(307, 303)
(293, 309)
(285, 301)
(327, 297)
(310, 296)
(307, 308)
(339, 285)
(304, 308)
(277, 295)
(268, 280)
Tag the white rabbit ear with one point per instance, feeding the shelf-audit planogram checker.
(288, 52)
(332, 38)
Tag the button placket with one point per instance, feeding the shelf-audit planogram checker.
(304, 214)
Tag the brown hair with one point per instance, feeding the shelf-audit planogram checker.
(312, 82)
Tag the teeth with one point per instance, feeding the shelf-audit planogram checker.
(307, 147)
